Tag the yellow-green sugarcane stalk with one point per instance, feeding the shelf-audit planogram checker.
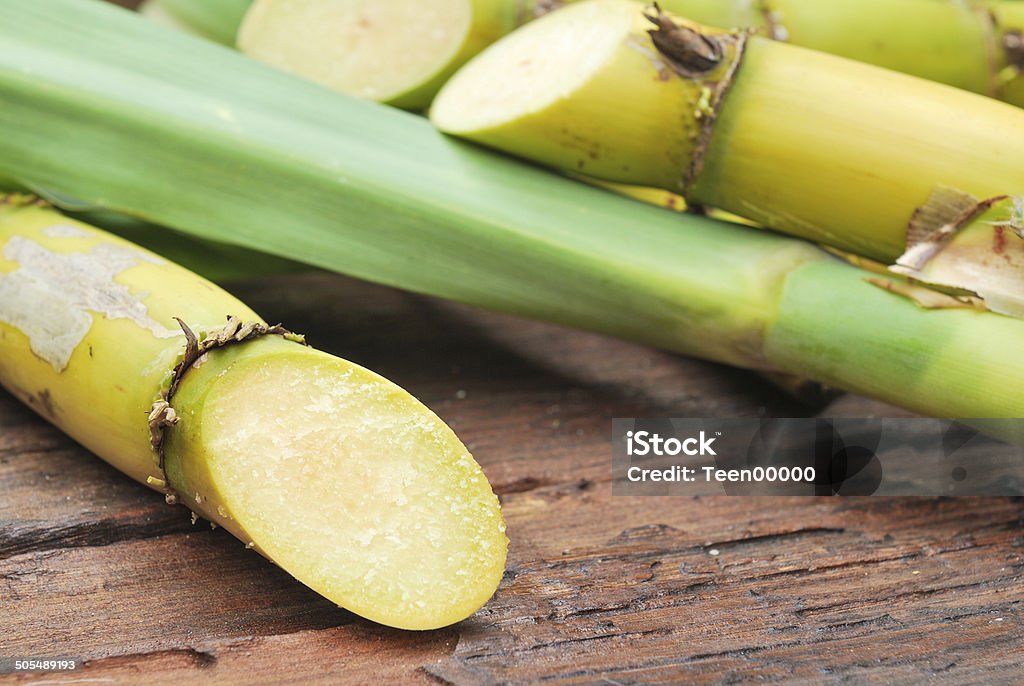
(969, 44)
(401, 51)
(863, 159)
(188, 135)
(334, 473)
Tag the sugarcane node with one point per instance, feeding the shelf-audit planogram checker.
(716, 89)
(1013, 46)
(690, 52)
(162, 415)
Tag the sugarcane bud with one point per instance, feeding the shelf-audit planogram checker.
(689, 51)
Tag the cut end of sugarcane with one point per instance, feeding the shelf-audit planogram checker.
(533, 68)
(353, 487)
(380, 50)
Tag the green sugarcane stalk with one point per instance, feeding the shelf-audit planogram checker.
(99, 105)
(974, 45)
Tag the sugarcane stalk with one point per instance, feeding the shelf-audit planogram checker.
(217, 20)
(334, 473)
(816, 146)
(344, 43)
(241, 153)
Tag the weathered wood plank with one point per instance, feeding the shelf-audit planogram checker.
(56, 496)
(891, 580)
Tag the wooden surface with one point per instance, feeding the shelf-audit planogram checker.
(598, 589)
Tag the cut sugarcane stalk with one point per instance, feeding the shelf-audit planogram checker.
(334, 473)
(401, 51)
(250, 156)
(820, 147)
(396, 51)
(217, 20)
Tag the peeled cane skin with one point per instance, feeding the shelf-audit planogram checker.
(334, 473)
(806, 143)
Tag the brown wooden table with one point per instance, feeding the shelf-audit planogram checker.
(598, 589)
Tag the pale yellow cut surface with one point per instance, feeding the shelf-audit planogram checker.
(372, 49)
(534, 67)
(355, 488)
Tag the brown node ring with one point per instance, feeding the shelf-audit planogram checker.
(162, 415)
(696, 56)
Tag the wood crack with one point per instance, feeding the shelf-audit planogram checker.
(782, 535)
(922, 593)
(20, 539)
(659, 554)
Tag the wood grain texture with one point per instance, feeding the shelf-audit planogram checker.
(598, 589)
